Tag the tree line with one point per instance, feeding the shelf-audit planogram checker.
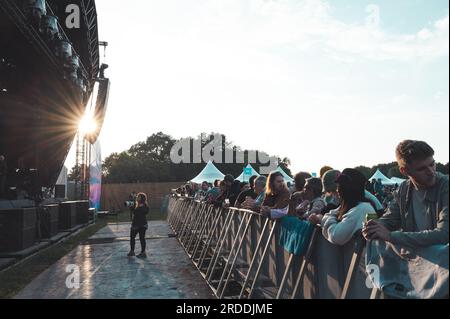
(149, 161)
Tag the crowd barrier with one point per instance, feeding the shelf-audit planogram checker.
(238, 253)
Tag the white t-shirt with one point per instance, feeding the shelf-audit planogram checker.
(340, 233)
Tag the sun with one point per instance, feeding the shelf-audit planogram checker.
(87, 125)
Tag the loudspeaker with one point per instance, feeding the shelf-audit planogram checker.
(82, 212)
(49, 221)
(60, 191)
(67, 217)
(17, 229)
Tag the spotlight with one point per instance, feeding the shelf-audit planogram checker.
(64, 50)
(49, 27)
(34, 10)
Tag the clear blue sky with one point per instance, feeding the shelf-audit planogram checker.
(321, 82)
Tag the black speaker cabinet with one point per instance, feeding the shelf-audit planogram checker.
(82, 212)
(67, 217)
(49, 217)
(17, 229)
(60, 191)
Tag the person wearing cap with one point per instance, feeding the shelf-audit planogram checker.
(341, 224)
(332, 197)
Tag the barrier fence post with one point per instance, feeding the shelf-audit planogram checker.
(285, 275)
(197, 228)
(253, 258)
(209, 241)
(196, 219)
(306, 258)
(219, 244)
(353, 268)
(220, 292)
(204, 231)
(274, 225)
(187, 220)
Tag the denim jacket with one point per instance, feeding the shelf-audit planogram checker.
(399, 218)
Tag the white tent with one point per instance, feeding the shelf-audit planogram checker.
(62, 178)
(246, 177)
(209, 174)
(287, 178)
(397, 180)
(384, 180)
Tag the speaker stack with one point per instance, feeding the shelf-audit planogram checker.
(17, 229)
(67, 217)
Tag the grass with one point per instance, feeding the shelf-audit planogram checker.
(124, 216)
(17, 277)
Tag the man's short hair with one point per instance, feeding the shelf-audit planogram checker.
(410, 150)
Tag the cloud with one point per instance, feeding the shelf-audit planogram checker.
(309, 25)
(210, 65)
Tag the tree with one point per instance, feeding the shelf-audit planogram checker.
(284, 164)
(149, 161)
(366, 171)
(442, 168)
(75, 173)
(394, 172)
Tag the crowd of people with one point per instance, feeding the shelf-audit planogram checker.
(412, 216)
(384, 193)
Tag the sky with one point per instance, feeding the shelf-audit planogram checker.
(335, 82)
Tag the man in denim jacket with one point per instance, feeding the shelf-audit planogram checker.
(415, 226)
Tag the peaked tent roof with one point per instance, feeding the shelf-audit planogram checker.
(384, 179)
(287, 178)
(246, 178)
(209, 174)
(397, 180)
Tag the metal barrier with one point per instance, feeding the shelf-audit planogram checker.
(237, 253)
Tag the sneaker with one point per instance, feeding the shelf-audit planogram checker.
(131, 254)
(142, 255)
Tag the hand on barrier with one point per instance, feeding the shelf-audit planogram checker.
(315, 219)
(265, 211)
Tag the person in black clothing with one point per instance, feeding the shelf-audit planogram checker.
(139, 224)
(230, 192)
(248, 193)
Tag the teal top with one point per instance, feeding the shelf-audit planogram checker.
(295, 235)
